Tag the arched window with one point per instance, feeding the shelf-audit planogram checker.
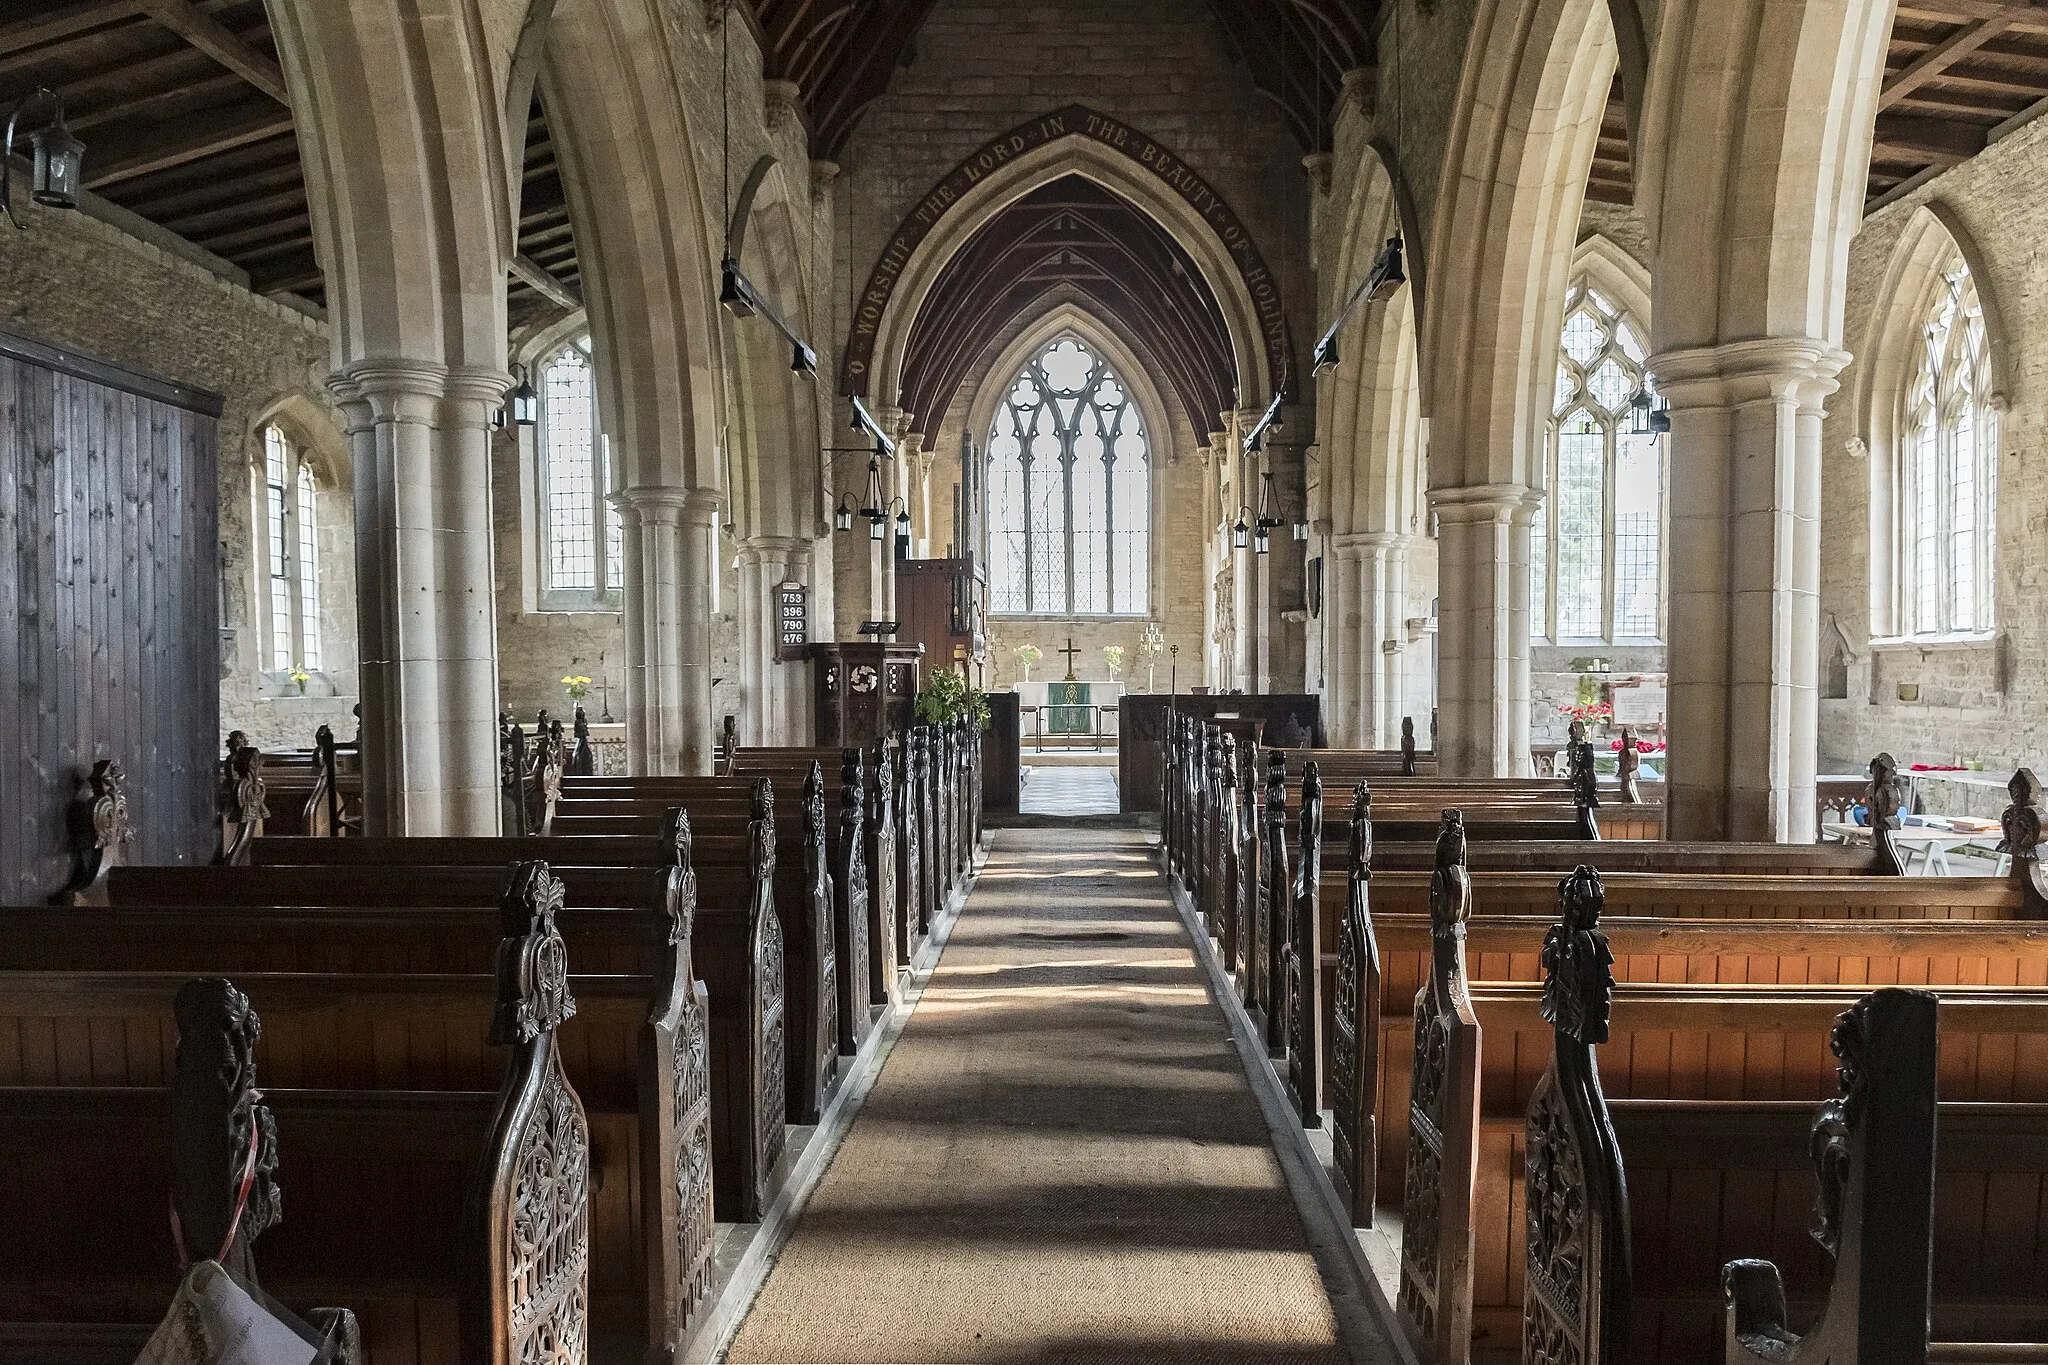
(581, 533)
(1069, 490)
(1597, 546)
(291, 584)
(1948, 469)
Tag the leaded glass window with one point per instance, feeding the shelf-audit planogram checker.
(582, 536)
(291, 583)
(1069, 490)
(1596, 548)
(1950, 483)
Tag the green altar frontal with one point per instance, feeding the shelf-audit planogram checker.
(1069, 708)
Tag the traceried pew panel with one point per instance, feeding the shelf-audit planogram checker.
(109, 607)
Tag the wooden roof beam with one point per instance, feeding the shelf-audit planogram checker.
(1958, 45)
(162, 149)
(1928, 139)
(217, 41)
(50, 28)
(533, 273)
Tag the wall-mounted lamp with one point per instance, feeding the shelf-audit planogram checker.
(1387, 276)
(842, 513)
(59, 159)
(1241, 534)
(1301, 529)
(523, 401)
(902, 510)
(1647, 414)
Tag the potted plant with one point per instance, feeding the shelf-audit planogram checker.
(1028, 654)
(949, 696)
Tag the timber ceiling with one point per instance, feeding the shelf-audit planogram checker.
(841, 54)
(183, 109)
(1071, 239)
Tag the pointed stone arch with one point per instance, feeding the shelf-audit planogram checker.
(1072, 141)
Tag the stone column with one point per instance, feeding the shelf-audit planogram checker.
(777, 699)
(1483, 628)
(701, 508)
(419, 437)
(1744, 657)
(651, 518)
(1341, 642)
(1373, 580)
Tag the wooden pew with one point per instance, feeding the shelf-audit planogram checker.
(869, 791)
(675, 1085)
(806, 896)
(1691, 1044)
(1886, 1211)
(379, 1218)
(316, 791)
(619, 888)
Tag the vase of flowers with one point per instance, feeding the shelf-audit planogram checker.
(1027, 655)
(577, 686)
(1113, 660)
(300, 677)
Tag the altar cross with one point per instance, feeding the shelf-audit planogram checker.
(1071, 652)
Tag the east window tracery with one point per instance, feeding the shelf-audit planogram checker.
(1069, 490)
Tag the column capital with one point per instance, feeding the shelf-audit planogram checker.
(1499, 502)
(653, 504)
(701, 506)
(772, 544)
(1371, 540)
(1761, 369)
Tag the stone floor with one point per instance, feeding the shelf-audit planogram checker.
(1068, 791)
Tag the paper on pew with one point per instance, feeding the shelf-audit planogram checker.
(213, 1321)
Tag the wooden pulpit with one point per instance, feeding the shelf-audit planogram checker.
(862, 690)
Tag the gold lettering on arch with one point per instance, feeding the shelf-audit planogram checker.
(1176, 174)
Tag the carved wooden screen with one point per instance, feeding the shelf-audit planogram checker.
(1443, 1122)
(1354, 1041)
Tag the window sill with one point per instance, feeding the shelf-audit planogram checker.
(323, 701)
(1081, 619)
(587, 606)
(1902, 644)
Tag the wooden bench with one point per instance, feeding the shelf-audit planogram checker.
(379, 1221)
(316, 791)
(825, 939)
(1458, 1076)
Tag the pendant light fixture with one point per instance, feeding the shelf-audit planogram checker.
(876, 513)
(59, 159)
(1241, 534)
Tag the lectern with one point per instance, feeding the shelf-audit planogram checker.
(862, 690)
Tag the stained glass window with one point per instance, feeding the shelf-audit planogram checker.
(1596, 569)
(1950, 483)
(1069, 490)
(581, 531)
(291, 555)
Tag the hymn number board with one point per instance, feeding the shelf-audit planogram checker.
(792, 622)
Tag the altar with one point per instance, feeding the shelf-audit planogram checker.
(1068, 711)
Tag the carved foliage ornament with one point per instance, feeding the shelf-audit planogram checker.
(533, 972)
(109, 787)
(1578, 987)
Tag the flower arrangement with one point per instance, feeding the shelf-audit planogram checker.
(577, 685)
(1113, 660)
(1028, 654)
(948, 696)
(1589, 712)
(300, 676)
(1643, 746)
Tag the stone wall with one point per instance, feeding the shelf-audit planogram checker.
(139, 298)
(1986, 700)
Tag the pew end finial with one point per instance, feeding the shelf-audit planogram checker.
(1882, 797)
(99, 828)
(2021, 825)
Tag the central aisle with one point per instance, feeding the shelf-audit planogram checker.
(1061, 1160)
